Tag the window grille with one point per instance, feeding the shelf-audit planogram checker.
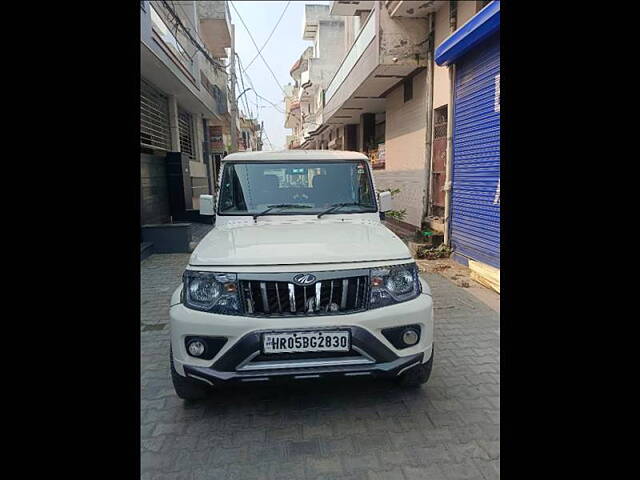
(440, 122)
(185, 131)
(154, 118)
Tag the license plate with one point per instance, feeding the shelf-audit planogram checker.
(296, 342)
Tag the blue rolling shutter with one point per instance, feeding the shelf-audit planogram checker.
(475, 201)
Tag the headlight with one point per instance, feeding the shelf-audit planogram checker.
(394, 284)
(211, 292)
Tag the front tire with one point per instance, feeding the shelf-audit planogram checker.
(187, 388)
(416, 376)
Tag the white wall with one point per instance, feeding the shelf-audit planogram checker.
(441, 87)
(405, 126)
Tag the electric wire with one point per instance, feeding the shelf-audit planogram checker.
(258, 50)
(246, 102)
(268, 139)
(269, 37)
(187, 32)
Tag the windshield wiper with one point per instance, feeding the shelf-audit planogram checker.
(281, 205)
(336, 206)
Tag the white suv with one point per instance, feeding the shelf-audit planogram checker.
(299, 279)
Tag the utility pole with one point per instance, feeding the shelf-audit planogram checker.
(261, 131)
(234, 100)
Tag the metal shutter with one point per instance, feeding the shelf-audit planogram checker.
(475, 202)
(154, 118)
(185, 130)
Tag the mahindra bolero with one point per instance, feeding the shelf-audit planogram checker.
(299, 279)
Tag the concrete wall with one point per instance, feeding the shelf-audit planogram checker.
(405, 126)
(402, 40)
(441, 88)
(211, 9)
(441, 74)
(466, 10)
(331, 51)
(313, 13)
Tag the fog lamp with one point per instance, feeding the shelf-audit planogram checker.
(196, 348)
(410, 336)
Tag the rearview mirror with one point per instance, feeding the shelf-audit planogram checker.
(207, 205)
(385, 203)
(296, 171)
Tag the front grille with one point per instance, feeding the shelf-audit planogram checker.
(327, 297)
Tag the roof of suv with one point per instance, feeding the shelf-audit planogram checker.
(296, 155)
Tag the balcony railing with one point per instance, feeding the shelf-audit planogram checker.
(365, 37)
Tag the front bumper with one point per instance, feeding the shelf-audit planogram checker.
(241, 360)
(369, 358)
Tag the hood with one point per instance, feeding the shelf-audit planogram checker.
(299, 243)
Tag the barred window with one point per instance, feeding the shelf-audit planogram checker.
(154, 117)
(185, 131)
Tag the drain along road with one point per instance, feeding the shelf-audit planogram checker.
(365, 429)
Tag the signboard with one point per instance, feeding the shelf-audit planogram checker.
(215, 136)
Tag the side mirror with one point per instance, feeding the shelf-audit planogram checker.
(385, 203)
(207, 205)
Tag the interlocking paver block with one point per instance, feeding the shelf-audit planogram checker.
(365, 430)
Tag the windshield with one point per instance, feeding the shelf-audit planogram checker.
(307, 188)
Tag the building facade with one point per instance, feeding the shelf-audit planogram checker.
(250, 135)
(472, 54)
(311, 74)
(391, 100)
(185, 104)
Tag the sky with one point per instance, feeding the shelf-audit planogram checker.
(284, 48)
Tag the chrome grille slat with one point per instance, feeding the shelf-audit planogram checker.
(263, 296)
(265, 299)
(318, 290)
(278, 297)
(292, 297)
(345, 287)
(331, 293)
(251, 303)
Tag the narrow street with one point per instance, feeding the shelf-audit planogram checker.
(449, 429)
(299, 127)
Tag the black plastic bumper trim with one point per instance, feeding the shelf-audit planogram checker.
(394, 335)
(212, 345)
(384, 369)
(252, 342)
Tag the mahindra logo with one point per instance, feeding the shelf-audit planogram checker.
(304, 279)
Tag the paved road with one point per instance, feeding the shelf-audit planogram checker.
(449, 429)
